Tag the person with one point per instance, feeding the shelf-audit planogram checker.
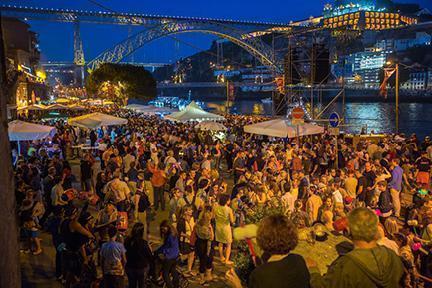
(185, 227)
(86, 173)
(142, 204)
(224, 216)
(385, 204)
(118, 192)
(395, 186)
(105, 218)
(93, 138)
(382, 240)
(113, 260)
(168, 254)
(75, 236)
(277, 237)
(423, 164)
(313, 204)
(368, 265)
(139, 257)
(203, 246)
(30, 228)
(158, 180)
(350, 184)
(57, 192)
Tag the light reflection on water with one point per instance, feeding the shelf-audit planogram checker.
(380, 117)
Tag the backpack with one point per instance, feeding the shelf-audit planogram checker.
(143, 202)
(195, 211)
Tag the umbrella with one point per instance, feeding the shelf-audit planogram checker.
(22, 131)
(283, 128)
(96, 120)
(193, 112)
(211, 126)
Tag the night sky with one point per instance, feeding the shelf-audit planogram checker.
(56, 39)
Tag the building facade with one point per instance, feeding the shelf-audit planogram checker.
(22, 60)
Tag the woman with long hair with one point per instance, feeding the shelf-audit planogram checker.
(185, 227)
(203, 246)
(139, 257)
(168, 254)
(224, 217)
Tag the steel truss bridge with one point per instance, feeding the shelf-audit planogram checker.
(155, 27)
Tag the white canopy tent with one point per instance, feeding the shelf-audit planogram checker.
(211, 126)
(193, 112)
(57, 107)
(96, 120)
(25, 131)
(34, 107)
(283, 128)
(149, 109)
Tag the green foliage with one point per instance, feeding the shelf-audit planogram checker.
(119, 82)
(242, 259)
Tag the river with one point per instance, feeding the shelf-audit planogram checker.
(378, 116)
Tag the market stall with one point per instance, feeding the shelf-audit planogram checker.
(283, 128)
(193, 112)
(96, 120)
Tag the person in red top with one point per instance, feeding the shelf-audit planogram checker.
(423, 165)
(158, 181)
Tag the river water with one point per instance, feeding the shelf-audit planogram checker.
(377, 116)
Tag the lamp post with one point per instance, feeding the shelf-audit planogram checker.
(396, 95)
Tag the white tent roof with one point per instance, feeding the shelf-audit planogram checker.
(283, 128)
(23, 131)
(57, 107)
(33, 107)
(96, 120)
(149, 109)
(211, 126)
(193, 112)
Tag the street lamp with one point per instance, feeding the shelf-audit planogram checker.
(389, 63)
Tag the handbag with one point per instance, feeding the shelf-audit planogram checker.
(122, 221)
(193, 237)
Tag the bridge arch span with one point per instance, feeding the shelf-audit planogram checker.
(255, 46)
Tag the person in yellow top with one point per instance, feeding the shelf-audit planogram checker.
(313, 204)
(350, 184)
(224, 217)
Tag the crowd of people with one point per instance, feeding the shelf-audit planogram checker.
(101, 206)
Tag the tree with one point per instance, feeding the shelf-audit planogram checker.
(9, 261)
(119, 82)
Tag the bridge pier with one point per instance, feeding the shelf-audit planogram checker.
(78, 56)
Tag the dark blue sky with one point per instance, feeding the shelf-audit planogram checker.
(56, 39)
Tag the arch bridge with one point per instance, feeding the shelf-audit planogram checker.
(156, 26)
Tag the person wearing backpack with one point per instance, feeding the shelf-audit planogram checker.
(385, 203)
(141, 204)
(367, 266)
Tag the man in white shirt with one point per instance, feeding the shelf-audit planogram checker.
(127, 160)
(169, 160)
(118, 191)
(288, 201)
